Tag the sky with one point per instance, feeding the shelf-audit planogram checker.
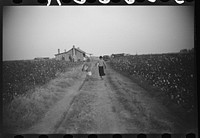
(38, 31)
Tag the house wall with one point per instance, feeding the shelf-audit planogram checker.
(58, 57)
(67, 55)
(78, 55)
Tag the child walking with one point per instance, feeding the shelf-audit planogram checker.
(87, 67)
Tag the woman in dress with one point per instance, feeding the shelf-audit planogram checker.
(101, 64)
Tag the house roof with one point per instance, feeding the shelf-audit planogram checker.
(78, 49)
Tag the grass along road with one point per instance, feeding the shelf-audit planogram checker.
(112, 105)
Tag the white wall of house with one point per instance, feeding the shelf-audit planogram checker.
(77, 57)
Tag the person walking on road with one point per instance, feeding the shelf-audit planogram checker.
(101, 64)
(87, 67)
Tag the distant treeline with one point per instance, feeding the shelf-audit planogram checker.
(187, 50)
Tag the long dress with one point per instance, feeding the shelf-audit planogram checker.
(101, 65)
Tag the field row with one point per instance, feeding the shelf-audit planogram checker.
(21, 76)
(173, 74)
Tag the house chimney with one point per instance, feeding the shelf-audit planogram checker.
(58, 51)
(73, 50)
(65, 50)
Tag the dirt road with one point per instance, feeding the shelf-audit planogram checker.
(112, 105)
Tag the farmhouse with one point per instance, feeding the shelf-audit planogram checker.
(74, 54)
